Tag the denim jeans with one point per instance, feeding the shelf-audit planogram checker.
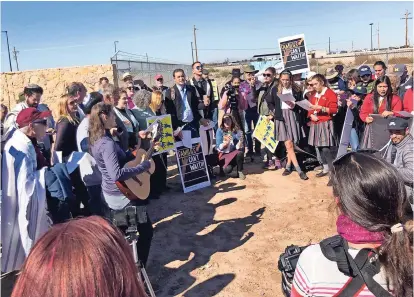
(251, 116)
(354, 140)
(215, 119)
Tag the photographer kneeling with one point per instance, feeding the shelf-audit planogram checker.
(373, 253)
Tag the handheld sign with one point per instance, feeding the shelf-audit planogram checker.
(192, 166)
(265, 133)
(293, 53)
(167, 137)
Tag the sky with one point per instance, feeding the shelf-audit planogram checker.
(65, 34)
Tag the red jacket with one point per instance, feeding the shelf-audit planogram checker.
(328, 99)
(367, 107)
(408, 100)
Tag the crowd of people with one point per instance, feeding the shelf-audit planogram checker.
(108, 125)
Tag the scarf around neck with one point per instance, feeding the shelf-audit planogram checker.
(355, 233)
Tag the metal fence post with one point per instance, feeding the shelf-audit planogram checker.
(386, 57)
(317, 65)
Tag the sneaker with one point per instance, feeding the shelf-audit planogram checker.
(329, 183)
(277, 164)
(303, 176)
(286, 172)
(242, 176)
(272, 166)
(319, 168)
(265, 165)
(322, 174)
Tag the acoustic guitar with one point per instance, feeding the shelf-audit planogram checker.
(138, 187)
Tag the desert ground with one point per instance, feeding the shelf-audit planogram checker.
(225, 240)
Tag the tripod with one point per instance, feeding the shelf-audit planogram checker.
(131, 235)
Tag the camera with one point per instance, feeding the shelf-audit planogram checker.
(287, 265)
(232, 93)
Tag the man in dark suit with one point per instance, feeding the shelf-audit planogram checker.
(183, 104)
(204, 89)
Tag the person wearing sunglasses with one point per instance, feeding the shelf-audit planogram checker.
(365, 74)
(203, 88)
(269, 106)
(374, 229)
(321, 133)
(382, 102)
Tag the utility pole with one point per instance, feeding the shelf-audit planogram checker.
(192, 52)
(378, 37)
(371, 34)
(406, 18)
(352, 48)
(15, 57)
(147, 57)
(329, 51)
(8, 49)
(195, 42)
(115, 42)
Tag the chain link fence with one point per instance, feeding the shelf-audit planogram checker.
(356, 59)
(145, 68)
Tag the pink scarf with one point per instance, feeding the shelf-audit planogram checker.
(355, 233)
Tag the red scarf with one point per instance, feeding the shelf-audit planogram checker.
(355, 233)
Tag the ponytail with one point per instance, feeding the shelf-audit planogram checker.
(396, 256)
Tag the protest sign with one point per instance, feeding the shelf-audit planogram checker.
(167, 137)
(293, 53)
(215, 90)
(346, 133)
(265, 133)
(192, 166)
(379, 134)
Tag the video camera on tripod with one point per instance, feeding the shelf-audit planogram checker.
(232, 93)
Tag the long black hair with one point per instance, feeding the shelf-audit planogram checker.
(373, 195)
(383, 79)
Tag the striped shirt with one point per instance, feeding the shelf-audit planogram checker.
(316, 276)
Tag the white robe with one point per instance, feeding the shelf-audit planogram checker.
(23, 205)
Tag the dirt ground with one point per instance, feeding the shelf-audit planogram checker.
(225, 240)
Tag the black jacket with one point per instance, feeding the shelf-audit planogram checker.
(272, 100)
(202, 90)
(66, 137)
(174, 105)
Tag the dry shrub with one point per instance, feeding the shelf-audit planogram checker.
(400, 60)
(224, 73)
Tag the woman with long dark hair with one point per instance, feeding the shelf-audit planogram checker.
(289, 130)
(375, 228)
(382, 102)
(230, 144)
(80, 258)
(321, 134)
(111, 159)
(269, 107)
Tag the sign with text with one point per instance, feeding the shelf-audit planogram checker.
(192, 166)
(265, 133)
(167, 137)
(293, 53)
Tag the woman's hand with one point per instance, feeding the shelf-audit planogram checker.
(349, 103)
(142, 134)
(386, 113)
(369, 120)
(314, 118)
(114, 132)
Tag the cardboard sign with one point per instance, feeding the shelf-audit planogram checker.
(192, 166)
(379, 133)
(265, 133)
(293, 53)
(215, 90)
(167, 137)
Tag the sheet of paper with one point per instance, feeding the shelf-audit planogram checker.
(186, 138)
(305, 104)
(74, 160)
(286, 97)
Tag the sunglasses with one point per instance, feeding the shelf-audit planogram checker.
(199, 67)
(267, 75)
(160, 79)
(366, 75)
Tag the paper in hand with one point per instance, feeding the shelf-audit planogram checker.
(286, 97)
(305, 104)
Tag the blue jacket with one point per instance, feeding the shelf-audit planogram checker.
(220, 139)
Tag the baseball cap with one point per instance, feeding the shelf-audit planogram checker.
(399, 69)
(364, 70)
(125, 75)
(235, 72)
(31, 115)
(360, 90)
(158, 76)
(339, 68)
(397, 124)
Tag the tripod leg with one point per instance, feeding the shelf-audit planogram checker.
(141, 268)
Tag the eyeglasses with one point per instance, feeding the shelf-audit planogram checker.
(160, 79)
(199, 67)
(267, 75)
(310, 85)
(366, 75)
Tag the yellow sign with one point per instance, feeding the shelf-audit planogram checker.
(215, 90)
(167, 137)
(265, 133)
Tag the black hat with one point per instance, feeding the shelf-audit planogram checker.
(397, 124)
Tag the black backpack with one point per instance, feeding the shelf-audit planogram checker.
(360, 270)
